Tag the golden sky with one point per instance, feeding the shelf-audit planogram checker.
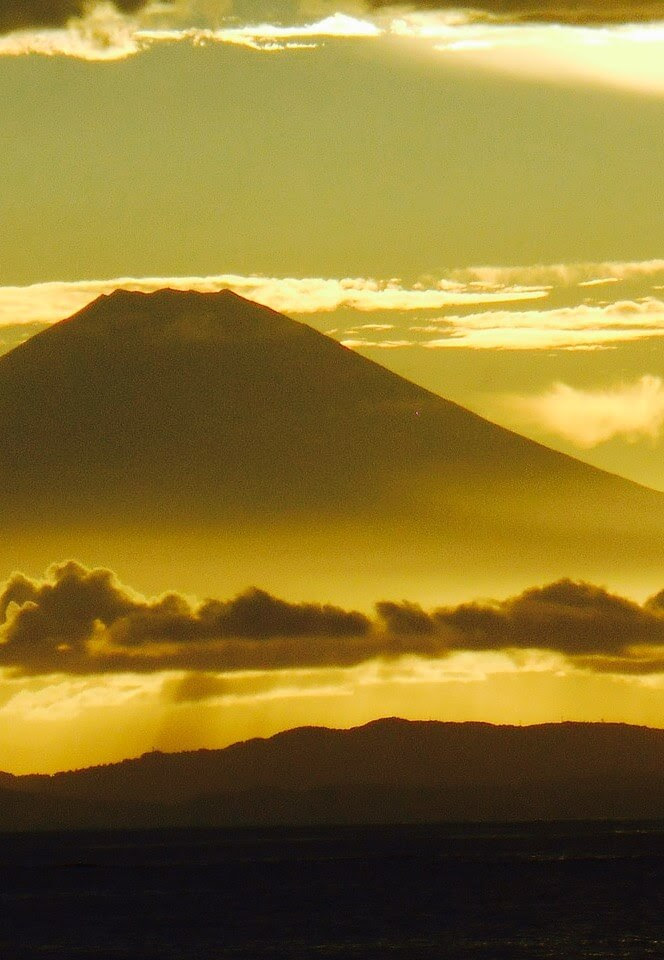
(473, 199)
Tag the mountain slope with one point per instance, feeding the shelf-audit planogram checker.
(197, 422)
(385, 771)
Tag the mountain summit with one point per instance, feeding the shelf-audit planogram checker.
(208, 427)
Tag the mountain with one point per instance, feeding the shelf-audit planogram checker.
(206, 442)
(387, 771)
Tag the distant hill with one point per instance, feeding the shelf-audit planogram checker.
(249, 448)
(387, 771)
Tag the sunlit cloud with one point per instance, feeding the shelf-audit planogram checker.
(620, 46)
(633, 411)
(583, 327)
(628, 55)
(371, 327)
(562, 274)
(49, 302)
(65, 698)
(102, 33)
(268, 36)
(598, 282)
(358, 344)
(586, 326)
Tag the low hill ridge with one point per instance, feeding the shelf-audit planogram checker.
(385, 771)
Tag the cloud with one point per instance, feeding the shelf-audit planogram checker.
(80, 621)
(586, 12)
(595, 42)
(582, 327)
(50, 302)
(23, 14)
(359, 344)
(589, 417)
(272, 37)
(371, 327)
(586, 326)
(114, 31)
(560, 274)
(566, 616)
(101, 31)
(405, 618)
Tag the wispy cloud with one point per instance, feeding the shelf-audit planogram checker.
(357, 344)
(562, 274)
(48, 302)
(583, 327)
(370, 328)
(587, 418)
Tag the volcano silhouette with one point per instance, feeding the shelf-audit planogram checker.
(207, 426)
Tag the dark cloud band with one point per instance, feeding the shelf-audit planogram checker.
(27, 14)
(586, 12)
(82, 621)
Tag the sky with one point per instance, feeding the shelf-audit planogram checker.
(471, 197)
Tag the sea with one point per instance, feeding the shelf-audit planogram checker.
(518, 891)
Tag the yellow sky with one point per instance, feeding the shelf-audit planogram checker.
(475, 204)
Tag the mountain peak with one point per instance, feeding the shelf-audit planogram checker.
(174, 409)
(171, 294)
(178, 314)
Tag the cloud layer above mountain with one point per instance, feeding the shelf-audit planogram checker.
(84, 621)
(586, 12)
(53, 13)
(596, 42)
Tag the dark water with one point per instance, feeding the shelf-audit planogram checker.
(518, 892)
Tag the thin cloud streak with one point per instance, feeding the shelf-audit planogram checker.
(562, 274)
(582, 327)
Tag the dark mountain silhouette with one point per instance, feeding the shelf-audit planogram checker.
(386, 771)
(208, 426)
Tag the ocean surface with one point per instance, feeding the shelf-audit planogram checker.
(496, 892)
